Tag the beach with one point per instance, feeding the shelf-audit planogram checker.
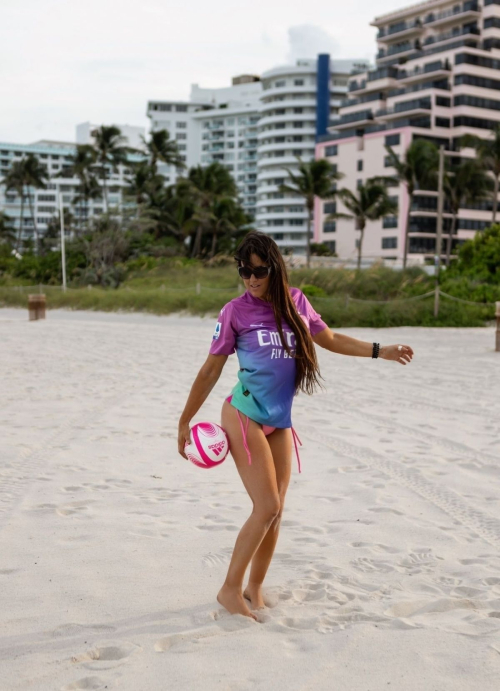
(113, 547)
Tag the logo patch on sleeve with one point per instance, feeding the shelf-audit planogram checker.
(217, 331)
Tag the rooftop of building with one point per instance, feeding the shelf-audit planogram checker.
(409, 10)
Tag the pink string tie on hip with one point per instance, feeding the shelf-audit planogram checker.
(295, 437)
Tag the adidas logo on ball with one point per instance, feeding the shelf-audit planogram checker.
(217, 448)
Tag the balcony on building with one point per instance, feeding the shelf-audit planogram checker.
(400, 50)
(459, 13)
(471, 31)
(376, 80)
(400, 30)
(350, 120)
(435, 70)
(418, 106)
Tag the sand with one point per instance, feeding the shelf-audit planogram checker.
(112, 547)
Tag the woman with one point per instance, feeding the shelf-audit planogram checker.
(272, 327)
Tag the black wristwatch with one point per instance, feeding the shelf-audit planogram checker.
(375, 351)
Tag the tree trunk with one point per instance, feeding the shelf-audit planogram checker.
(197, 243)
(407, 230)
(495, 199)
(214, 245)
(359, 247)
(35, 229)
(450, 238)
(105, 188)
(308, 250)
(18, 243)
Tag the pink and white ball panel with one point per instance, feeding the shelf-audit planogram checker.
(209, 445)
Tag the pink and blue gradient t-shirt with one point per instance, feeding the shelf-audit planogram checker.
(266, 385)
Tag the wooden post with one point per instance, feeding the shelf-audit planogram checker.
(36, 307)
(497, 315)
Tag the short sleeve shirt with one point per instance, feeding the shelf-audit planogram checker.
(266, 378)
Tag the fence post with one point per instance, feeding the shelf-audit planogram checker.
(436, 301)
(198, 289)
(497, 314)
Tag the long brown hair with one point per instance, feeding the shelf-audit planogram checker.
(307, 369)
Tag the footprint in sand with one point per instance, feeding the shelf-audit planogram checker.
(366, 565)
(106, 656)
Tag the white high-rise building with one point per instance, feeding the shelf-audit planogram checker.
(215, 125)
(256, 128)
(297, 102)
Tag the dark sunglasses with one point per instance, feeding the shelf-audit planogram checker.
(258, 271)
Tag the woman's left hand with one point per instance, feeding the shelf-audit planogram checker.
(400, 353)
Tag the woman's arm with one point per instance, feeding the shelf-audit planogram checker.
(203, 384)
(346, 345)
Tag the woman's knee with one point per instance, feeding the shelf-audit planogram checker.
(269, 510)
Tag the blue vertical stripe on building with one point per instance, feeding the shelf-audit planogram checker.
(323, 95)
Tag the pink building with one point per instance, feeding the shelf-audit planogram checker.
(437, 78)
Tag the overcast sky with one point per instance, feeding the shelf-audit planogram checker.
(66, 61)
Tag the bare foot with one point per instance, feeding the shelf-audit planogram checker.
(253, 592)
(232, 600)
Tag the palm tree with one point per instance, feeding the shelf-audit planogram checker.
(313, 179)
(34, 178)
(81, 167)
(464, 183)
(416, 170)
(7, 232)
(144, 184)
(370, 203)
(111, 151)
(14, 182)
(88, 189)
(206, 186)
(161, 148)
(227, 218)
(488, 153)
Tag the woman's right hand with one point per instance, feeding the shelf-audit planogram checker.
(184, 437)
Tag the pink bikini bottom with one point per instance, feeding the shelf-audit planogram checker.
(267, 430)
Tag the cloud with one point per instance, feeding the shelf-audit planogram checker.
(307, 40)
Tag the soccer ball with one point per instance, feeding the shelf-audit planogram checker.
(209, 445)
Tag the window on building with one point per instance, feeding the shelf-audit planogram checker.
(280, 83)
(442, 101)
(181, 125)
(359, 183)
(298, 124)
(360, 165)
(390, 222)
(181, 109)
(389, 243)
(331, 150)
(330, 227)
(388, 161)
(330, 208)
(443, 122)
(392, 139)
(181, 135)
(298, 110)
(298, 82)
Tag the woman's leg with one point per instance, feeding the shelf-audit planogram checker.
(259, 479)
(280, 442)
